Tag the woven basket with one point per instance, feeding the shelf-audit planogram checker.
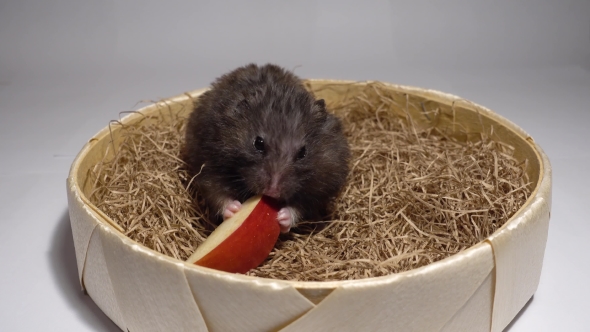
(479, 289)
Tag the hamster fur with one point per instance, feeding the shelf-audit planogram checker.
(258, 131)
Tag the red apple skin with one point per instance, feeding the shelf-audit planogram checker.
(249, 245)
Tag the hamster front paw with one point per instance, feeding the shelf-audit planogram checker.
(286, 218)
(231, 207)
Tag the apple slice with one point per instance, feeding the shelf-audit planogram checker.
(243, 241)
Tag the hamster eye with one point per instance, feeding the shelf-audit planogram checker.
(301, 153)
(259, 144)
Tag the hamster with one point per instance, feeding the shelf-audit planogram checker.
(258, 131)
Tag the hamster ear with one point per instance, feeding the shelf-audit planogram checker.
(319, 110)
(320, 105)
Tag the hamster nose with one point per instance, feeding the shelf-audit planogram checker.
(272, 189)
(272, 192)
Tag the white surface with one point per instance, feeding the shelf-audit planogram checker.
(67, 68)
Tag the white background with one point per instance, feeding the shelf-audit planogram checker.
(68, 67)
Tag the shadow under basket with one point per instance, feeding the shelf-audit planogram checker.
(479, 289)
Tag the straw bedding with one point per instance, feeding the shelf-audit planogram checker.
(413, 197)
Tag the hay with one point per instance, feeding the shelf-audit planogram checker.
(413, 197)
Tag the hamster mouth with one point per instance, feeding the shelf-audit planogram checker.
(275, 198)
(272, 192)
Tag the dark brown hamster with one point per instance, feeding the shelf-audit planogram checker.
(259, 131)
